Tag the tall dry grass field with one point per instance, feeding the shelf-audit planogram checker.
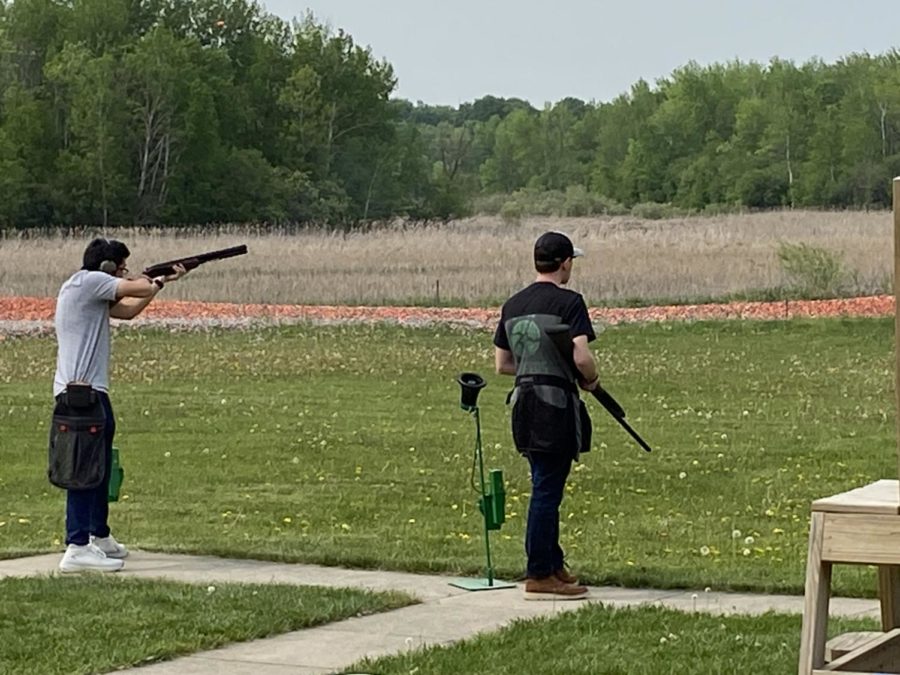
(480, 261)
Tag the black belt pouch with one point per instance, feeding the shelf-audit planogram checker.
(77, 451)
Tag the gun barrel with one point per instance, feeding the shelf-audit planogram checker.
(607, 401)
(635, 435)
(190, 262)
(561, 336)
(613, 408)
(222, 253)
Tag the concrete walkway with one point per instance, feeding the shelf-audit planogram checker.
(445, 614)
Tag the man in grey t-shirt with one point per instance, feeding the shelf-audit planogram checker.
(86, 301)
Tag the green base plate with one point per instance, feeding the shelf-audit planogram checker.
(480, 584)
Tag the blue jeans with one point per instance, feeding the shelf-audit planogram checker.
(549, 472)
(87, 511)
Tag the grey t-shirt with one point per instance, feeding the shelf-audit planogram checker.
(82, 330)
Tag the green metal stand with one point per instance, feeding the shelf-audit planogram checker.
(116, 477)
(492, 505)
(481, 584)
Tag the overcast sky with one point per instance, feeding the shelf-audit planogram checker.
(453, 51)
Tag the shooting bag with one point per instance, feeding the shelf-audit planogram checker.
(77, 450)
(549, 416)
(547, 413)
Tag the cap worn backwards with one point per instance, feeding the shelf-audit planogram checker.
(555, 247)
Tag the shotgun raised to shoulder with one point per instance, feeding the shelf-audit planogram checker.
(165, 268)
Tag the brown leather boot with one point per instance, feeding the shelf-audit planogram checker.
(551, 588)
(565, 576)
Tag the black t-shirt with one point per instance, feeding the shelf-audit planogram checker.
(543, 297)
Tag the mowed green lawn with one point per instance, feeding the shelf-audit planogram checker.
(94, 623)
(632, 641)
(346, 445)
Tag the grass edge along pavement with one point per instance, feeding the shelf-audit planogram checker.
(289, 444)
(89, 623)
(619, 640)
(445, 614)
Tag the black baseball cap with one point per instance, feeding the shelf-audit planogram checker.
(555, 247)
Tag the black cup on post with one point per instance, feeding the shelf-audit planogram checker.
(471, 384)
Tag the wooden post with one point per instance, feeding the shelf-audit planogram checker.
(815, 607)
(897, 311)
(888, 585)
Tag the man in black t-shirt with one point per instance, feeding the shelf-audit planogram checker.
(550, 423)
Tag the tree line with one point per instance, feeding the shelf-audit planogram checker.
(167, 112)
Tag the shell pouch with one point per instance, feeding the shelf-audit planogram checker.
(77, 448)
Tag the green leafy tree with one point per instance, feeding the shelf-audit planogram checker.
(34, 35)
(7, 73)
(29, 158)
(424, 114)
(175, 87)
(450, 152)
(516, 156)
(618, 124)
(99, 25)
(558, 163)
(13, 177)
(820, 179)
(785, 138)
(487, 107)
(860, 138)
(337, 111)
(91, 103)
(172, 111)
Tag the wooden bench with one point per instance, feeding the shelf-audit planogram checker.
(841, 645)
(859, 527)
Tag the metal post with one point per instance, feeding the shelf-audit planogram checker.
(471, 384)
(487, 539)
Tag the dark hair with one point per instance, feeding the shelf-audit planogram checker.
(546, 266)
(101, 249)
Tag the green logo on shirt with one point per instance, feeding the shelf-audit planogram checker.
(526, 338)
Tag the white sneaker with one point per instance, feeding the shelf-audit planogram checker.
(110, 546)
(88, 558)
